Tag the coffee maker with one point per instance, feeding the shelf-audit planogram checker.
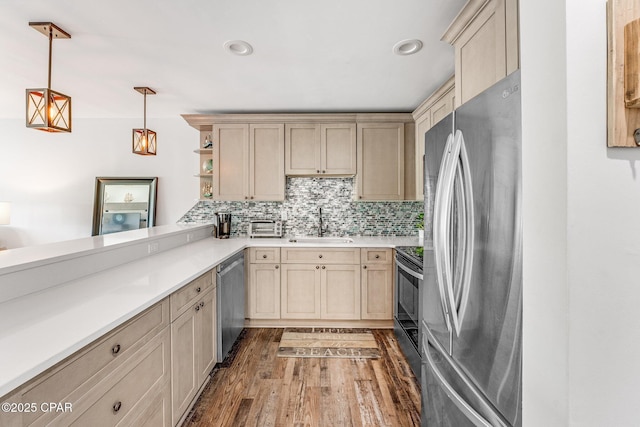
(223, 225)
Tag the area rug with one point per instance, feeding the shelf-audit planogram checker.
(342, 343)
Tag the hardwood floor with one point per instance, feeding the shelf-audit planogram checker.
(259, 389)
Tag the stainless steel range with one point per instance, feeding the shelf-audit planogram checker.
(407, 303)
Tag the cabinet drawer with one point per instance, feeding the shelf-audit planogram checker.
(130, 390)
(71, 380)
(321, 255)
(376, 256)
(181, 299)
(264, 255)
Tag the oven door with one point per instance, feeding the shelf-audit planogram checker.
(407, 300)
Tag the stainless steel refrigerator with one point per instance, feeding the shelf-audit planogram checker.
(471, 343)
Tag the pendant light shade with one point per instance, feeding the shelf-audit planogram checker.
(47, 109)
(144, 140)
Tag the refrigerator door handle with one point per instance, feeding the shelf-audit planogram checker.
(457, 400)
(458, 301)
(440, 229)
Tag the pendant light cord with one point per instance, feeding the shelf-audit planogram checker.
(50, 54)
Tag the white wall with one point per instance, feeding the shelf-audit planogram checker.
(50, 178)
(582, 256)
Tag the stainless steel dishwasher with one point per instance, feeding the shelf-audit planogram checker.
(230, 303)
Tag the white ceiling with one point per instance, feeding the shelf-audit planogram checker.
(309, 56)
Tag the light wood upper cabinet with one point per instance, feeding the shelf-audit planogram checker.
(338, 149)
(380, 148)
(230, 161)
(320, 149)
(485, 37)
(248, 161)
(266, 162)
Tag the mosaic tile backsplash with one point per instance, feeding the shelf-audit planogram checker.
(341, 215)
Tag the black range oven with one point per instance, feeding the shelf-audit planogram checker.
(406, 307)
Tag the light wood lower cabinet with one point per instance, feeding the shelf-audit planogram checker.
(320, 283)
(340, 292)
(192, 352)
(86, 376)
(377, 284)
(320, 291)
(264, 291)
(377, 291)
(300, 291)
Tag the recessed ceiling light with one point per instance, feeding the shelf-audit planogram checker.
(407, 47)
(238, 47)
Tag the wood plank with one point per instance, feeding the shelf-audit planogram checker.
(257, 388)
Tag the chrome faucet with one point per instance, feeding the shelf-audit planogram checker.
(320, 228)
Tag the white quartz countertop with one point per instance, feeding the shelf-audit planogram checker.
(43, 328)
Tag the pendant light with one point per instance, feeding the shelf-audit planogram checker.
(47, 109)
(144, 140)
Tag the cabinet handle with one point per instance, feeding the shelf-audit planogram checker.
(377, 256)
(198, 289)
(117, 406)
(115, 349)
(317, 267)
(364, 266)
(320, 256)
(323, 267)
(264, 256)
(277, 267)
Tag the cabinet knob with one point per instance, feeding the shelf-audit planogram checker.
(277, 267)
(360, 197)
(264, 256)
(377, 256)
(251, 197)
(245, 197)
(115, 349)
(198, 307)
(320, 256)
(198, 289)
(324, 171)
(317, 267)
(318, 171)
(323, 267)
(364, 266)
(202, 304)
(117, 406)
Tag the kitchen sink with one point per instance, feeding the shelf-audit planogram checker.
(321, 240)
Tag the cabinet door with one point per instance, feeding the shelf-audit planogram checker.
(338, 149)
(480, 52)
(266, 157)
(340, 292)
(205, 336)
(377, 291)
(441, 108)
(184, 375)
(264, 291)
(302, 149)
(380, 161)
(230, 161)
(300, 291)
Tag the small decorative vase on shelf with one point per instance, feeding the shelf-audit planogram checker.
(208, 143)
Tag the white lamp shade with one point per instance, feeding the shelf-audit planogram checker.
(5, 213)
